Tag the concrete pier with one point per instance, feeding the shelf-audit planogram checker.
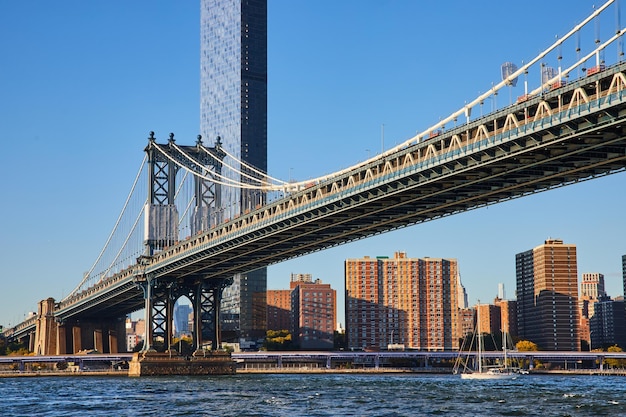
(171, 363)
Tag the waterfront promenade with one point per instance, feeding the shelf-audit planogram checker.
(320, 362)
(304, 370)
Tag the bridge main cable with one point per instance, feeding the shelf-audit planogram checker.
(117, 222)
(466, 110)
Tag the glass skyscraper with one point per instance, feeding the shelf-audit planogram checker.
(624, 273)
(233, 106)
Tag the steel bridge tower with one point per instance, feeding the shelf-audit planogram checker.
(161, 231)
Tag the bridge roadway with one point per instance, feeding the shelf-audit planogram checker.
(570, 133)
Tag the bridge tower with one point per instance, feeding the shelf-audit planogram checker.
(161, 231)
(161, 214)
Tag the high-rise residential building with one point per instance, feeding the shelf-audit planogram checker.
(591, 290)
(297, 279)
(608, 323)
(490, 319)
(547, 296)
(135, 333)
(466, 319)
(233, 106)
(314, 312)
(508, 316)
(181, 319)
(279, 310)
(525, 290)
(624, 274)
(403, 301)
(592, 285)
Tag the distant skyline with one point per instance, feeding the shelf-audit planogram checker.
(84, 82)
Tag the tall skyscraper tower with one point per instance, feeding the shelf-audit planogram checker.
(547, 291)
(233, 106)
(624, 274)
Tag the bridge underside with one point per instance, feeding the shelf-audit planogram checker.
(562, 155)
(574, 142)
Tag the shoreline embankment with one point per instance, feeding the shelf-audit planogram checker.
(295, 370)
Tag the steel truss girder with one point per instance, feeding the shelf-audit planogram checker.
(161, 312)
(162, 293)
(465, 182)
(162, 180)
(533, 143)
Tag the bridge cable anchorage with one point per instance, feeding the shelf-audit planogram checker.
(117, 222)
(466, 109)
(503, 83)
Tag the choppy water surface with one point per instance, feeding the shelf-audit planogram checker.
(313, 395)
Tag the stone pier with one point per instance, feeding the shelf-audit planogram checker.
(171, 363)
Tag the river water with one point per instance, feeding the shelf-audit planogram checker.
(313, 395)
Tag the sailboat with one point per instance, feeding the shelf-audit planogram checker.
(482, 371)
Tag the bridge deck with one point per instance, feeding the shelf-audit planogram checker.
(570, 134)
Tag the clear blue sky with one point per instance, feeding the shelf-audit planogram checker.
(83, 82)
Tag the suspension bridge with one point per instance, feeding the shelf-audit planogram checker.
(177, 236)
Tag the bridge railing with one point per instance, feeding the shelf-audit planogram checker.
(572, 101)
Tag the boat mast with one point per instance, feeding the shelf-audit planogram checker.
(480, 339)
(505, 342)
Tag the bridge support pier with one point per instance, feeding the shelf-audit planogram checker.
(170, 363)
(99, 335)
(206, 300)
(97, 340)
(160, 297)
(61, 339)
(76, 339)
(46, 329)
(157, 356)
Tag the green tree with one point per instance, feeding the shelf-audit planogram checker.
(183, 345)
(17, 349)
(526, 346)
(278, 340)
(615, 363)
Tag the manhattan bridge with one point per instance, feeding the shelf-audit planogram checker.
(175, 238)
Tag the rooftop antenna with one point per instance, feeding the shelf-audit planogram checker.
(547, 74)
(507, 69)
